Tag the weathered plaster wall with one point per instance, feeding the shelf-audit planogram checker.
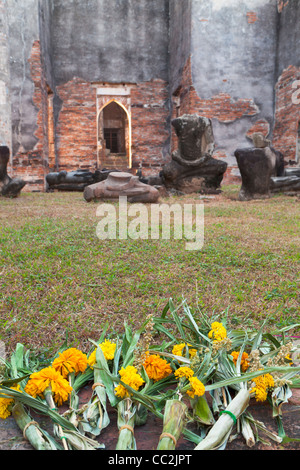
(180, 40)
(111, 41)
(5, 105)
(23, 31)
(288, 36)
(287, 110)
(233, 57)
(45, 21)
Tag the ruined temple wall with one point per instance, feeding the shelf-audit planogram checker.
(27, 94)
(287, 99)
(60, 51)
(233, 58)
(235, 62)
(102, 43)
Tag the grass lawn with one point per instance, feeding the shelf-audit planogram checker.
(58, 278)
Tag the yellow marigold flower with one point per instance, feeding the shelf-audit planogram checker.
(130, 377)
(156, 367)
(244, 360)
(5, 404)
(192, 352)
(178, 350)
(71, 360)
(49, 377)
(197, 388)
(108, 350)
(121, 391)
(5, 412)
(263, 384)
(218, 332)
(184, 372)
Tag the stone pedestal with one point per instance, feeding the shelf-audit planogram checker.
(122, 184)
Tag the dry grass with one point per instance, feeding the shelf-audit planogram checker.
(56, 276)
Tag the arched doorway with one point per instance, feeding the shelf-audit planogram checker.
(114, 137)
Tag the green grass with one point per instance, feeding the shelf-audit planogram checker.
(57, 277)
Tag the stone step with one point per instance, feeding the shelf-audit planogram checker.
(115, 161)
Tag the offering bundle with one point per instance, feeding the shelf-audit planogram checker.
(194, 373)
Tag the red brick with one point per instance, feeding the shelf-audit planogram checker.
(287, 114)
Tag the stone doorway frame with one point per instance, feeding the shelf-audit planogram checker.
(107, 94)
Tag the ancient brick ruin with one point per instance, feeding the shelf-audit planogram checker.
(96, 85)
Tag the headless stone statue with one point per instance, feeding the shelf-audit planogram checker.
(193, 168)
(9, 187)
(75, 180)
(258, 166)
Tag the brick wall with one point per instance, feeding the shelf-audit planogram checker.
(222, 106)
(150, 132)
(76, 130)
(287, 114)
(261, 126)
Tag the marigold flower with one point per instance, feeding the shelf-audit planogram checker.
(244, 361)
(5, 404)
(184, 372)
(156, 367)
(263, 384)
(108, 350)
(71, 360)
(178, 350)
(218, 332)
(49, 377)
(130, 377)
(197, 388)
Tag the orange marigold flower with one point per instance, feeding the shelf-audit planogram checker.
(244, 360)
(71, 360)
(157, 368)
(49, 377)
